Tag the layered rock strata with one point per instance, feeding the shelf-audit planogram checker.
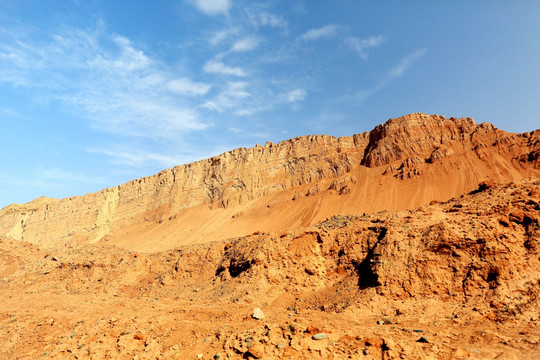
(364, 167)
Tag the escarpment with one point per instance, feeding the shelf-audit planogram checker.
(406, 162)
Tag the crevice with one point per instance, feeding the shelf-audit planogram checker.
(367, 276)
(235, 269)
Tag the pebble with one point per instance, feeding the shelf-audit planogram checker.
(217, 356)
(280, 345)
(257, 351)
(418, 330)
(138, 336)
(319, 336)
(365, 352)
(199, 356)
(257, 314)
(423, 339)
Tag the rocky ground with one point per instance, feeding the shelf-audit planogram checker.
(452, 280)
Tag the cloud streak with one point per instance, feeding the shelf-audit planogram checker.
(393, 74)
(217, 67)
(316, 34)
(185, 86)
(405, 63)
(296, 95)
(138, 158)
(213, 7)
(114, 85)
(361, 46)
(246, 44)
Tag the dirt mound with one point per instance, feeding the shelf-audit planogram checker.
(455, 279)
(402, 164)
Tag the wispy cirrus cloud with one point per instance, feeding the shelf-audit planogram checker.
(296, 95)
(139, 158)
(395, 72)
(246, 44)
(218, 37)
(214, 66)
(186, 86)
(268, 19)
(106, 79)
(230, 97)
(273, 20)
(315, 34)
(361, 46)
(405, 63)
(245, 98)
(213, 7)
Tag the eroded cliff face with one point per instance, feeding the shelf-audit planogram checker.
(416, 148)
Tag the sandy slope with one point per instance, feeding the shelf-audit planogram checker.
(462, 274)
(402, 164)
(416, 240)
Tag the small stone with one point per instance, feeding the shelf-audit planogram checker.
(418, 330)
(388, 344)
(365, 352)
(423, 339)
(319, 336)
(257, 314)
(217, 356)
(380, 322)
(280, 345)
(138, 336)
(199, 356)
(257, 351)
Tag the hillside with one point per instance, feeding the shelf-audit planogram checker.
(402, 164)
(451, 280)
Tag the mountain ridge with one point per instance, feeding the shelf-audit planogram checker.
(313, 174)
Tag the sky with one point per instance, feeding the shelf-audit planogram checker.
(95, 93)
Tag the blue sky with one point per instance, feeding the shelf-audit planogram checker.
(96, 93)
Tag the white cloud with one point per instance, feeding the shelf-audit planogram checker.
(405, 63)
(185, 86)
(394, 73)
(361, 46)
(268, 19)
(217, 67)
(138, 158)
(230, 98)
(296, 95)
(213, 7)
(130, 59)
(218, 36)
(315, 34)
(106, 79)
(242, 98)
(246, 44)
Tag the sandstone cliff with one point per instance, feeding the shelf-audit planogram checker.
(403, 163)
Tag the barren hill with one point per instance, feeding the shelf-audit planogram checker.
(451, 280)
(416, 240)
(402, 164)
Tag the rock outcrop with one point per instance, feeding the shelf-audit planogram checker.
(311, 177)
(451, 280)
